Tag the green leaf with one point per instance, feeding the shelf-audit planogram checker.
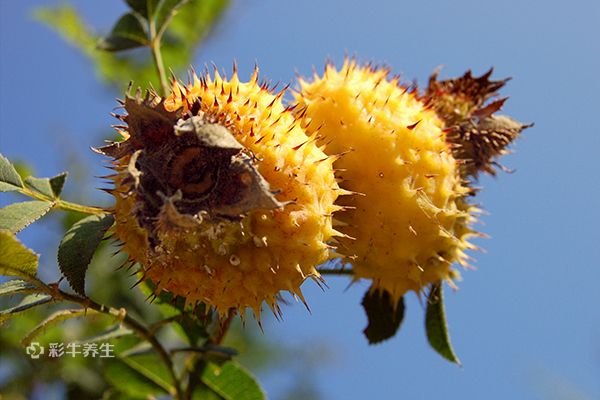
(52, 320)
(128, 33)
(188, 326)
(142, 6)
(166, 11)
(57, 183)
(16, 286)
(9, 177)
(151, 367)
(114, 332)
(28, 302)
(436, 326)
(40, 185)
(232, 382)
(185, 33)
(111, 67)
(49, 187)
(384, 317)
(23, 168)
(16, 259)
(17, 216)
(204, 393)
(78, 246)
(129, 381)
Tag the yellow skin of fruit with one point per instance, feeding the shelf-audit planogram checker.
(239, 264)
(409, 219)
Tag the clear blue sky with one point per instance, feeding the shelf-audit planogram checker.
(526, 324)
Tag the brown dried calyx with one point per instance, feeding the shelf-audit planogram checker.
(478, 137)
(188, 164)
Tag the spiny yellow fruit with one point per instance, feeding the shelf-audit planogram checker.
(409, 219)
(220, 195)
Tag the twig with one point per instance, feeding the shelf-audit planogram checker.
(157, 56)
(127, 320)
(63, 204)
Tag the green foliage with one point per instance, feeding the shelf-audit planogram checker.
(128, 33)
(49, 187)
(54, 319)
(26, 303)
(78, 246)
(150, 367)
(10, 180)
(183, 25)
(15, 286)
(384, 316)
(16, 259)
(436, 325)
(130, 382)
(15, 217)
(111, 68)
(231, 381)
(114, 332)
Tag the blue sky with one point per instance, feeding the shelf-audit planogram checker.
(526, 324)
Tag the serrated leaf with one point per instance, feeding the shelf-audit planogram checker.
(114, 332)
(57, 183)
(49, 187)
(231, 381)
(9, 177)
(129, 381)
(15, 217)
(53, 319)
(383, 315)
(40, 185)
(16, 259)
(28, 302)
(128, 33)
(436, 325)
(16, 286)
(151, 367)
(78, 246)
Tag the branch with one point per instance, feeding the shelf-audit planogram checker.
(127, 320)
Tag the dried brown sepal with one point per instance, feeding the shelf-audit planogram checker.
(182, 165)
(478, 143)
(459, 99)
(477, 136)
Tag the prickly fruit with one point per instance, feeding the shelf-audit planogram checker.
(408, 221)
(220, 195)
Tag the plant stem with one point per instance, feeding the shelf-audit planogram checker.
(67, 205)
(63, 204)
(157, 56)
(198, 362)
(127, 320)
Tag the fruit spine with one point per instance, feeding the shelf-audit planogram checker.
(410, 218)
(220, 195)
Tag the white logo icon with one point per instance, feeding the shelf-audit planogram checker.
(34, 350)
